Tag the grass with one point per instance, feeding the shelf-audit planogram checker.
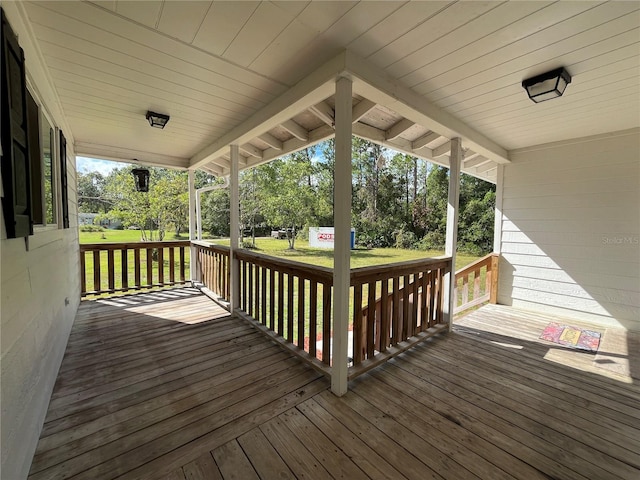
(359, 257)
(116, 236)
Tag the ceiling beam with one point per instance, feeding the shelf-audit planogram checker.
(361, 109)
(485, 167)
(324, 112)
(374, 84)
(296, 130)
(251, 150)
(270, 140)
(295, 144)
(475, 161)
(444, 149)
(424, 140)
(398, 129)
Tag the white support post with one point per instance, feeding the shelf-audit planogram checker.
(192, 223)
(451, 241)
(198, 215)
(497, 226)
(342, 239)
(234, 274)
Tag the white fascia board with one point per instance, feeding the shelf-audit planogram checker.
(118, 154)
(371, 83)
(313, 89)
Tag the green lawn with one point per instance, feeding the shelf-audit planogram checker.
(359, 257)
(111, 236)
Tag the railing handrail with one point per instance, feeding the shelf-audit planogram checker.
(213, 246)
(481, 262)
(90, 247)
(306, 270)
(379, 272)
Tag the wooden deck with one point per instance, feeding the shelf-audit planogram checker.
(165, 385)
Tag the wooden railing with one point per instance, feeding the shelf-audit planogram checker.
(477, 283)
(402, 306)
(291, 300)
(121, 267)
(213, 268)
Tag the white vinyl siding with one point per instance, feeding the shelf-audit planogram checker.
(571, 229)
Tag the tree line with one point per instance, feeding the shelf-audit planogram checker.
(397, 200)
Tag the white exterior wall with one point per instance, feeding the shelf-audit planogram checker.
(39, 296)
(571, 229)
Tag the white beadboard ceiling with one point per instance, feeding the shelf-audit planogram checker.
(213, 65)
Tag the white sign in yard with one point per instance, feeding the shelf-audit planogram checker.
(322, 237)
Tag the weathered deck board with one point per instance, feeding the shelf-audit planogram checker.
(167, 385)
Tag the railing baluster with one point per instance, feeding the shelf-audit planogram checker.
(124, 265)
(83, 272)
(172, 266)
(384, 315)
(161, 266)
(414, 307)
(358, 325)
(371, 319)
(290, 294)
(301, 312)
(326, 324)
(96, 271)
(406, 321)
(182, 264)
(136, 263)
(111, 270)
(272, 299)
(396, 311)
(424, 314)
(149, 267)
(313, 316)
(280, 303)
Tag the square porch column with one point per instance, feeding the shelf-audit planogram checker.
(342, 236)
(234, 223)
(452, 229)
(192, 223)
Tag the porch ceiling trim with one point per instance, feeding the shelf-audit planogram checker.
(111, 152)
(377, 90)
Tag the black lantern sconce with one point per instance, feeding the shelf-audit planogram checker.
(157, 120)
(141, 179)
(547, 85)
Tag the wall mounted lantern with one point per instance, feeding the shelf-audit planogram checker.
(141, 179)
(548, 85)
(158, 120)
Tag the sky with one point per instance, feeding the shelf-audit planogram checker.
(86, 165)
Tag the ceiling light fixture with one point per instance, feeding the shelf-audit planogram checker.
(141, 179)
(548, 85)
(157, 120)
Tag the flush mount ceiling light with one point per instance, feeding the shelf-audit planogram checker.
(141, 179)
(157, 120)
(547, 85)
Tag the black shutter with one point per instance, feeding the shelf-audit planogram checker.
(63, 181)
(16, 203)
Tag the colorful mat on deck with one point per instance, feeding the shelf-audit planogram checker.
(571, 337)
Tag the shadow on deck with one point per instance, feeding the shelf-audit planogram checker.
(167, 385)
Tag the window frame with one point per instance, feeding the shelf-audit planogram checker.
(43, 114)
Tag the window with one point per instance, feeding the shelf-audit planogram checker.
(48, 168)
(41, 164)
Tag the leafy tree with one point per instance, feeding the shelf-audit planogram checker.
(165, 204)
(91, 193)
(286, 195)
